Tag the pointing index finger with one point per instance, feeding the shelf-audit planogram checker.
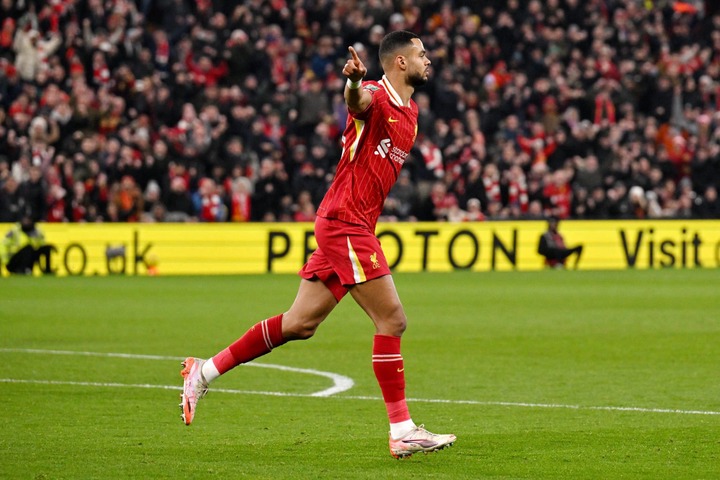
(354, 54)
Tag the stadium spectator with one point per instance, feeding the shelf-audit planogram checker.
(11, 202)
(241, 199)
(32, 51)
(708, 206)
(208, 203)
(127, 200)
(474, 211)
(270, 189)
(178, 201)
(438, 204)
(153, 208)
(33, 193)
(305, 210)
(552, 246)
(402, 200)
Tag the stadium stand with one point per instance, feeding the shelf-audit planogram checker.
(211, 110)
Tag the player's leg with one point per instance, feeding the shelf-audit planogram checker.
(354, 253)
(379, 299)
(313, 303)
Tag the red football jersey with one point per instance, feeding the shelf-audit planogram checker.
(376, 143)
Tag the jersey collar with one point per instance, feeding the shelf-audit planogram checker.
(394, 97)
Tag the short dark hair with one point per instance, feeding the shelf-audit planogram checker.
(394, 41)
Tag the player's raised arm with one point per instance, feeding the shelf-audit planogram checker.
(356, 98)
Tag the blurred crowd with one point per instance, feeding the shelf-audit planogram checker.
(214, 111)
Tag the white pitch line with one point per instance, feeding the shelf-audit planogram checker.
(360, 397)
(149, 386)
(549, 405)
(341, 383)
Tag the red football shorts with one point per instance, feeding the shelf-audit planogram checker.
(347, 254)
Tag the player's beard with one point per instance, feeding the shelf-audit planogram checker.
(418, 80)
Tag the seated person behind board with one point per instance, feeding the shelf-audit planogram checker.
(552, 247)
(23, 246)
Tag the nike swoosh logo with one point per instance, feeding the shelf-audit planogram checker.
(400, 370)
(422, 443)
(392, 120)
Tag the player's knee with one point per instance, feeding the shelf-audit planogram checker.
(399, 328)
(394, 322)
(300, 330)
(306, 332)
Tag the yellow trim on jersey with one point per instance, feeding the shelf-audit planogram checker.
(358, 272)
(359, 127)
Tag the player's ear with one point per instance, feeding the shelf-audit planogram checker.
(401, 62)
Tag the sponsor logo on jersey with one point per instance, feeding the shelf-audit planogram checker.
(385, 149)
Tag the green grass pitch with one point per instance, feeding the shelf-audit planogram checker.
(542, 375)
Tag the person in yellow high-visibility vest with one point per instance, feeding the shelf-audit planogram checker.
(23, 246)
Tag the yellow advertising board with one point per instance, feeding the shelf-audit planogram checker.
(180, 249)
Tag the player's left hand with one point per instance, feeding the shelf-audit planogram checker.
(354, 68)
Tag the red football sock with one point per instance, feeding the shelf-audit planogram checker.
(390, 373)
(259, 340)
